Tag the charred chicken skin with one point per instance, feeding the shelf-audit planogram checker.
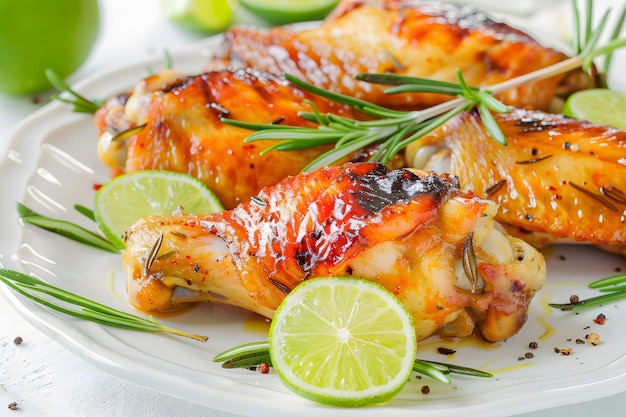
(438, 249)
(558, 178)
(422, 38)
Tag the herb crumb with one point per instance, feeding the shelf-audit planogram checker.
(446, 351)
(564, 351)
(580, 342)
(593, 339)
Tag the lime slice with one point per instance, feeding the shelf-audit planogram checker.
(127, 198)
(202, 15)
(280, 12)
(342, 341)
(599, 106)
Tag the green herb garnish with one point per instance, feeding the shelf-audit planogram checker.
(394, 130)
(67, 95)
(83, 308)
(610, 286)
(67, 229)
(250, 355)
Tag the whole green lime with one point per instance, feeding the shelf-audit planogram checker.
(40, 34)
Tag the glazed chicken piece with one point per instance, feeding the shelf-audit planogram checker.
(558, 178)
(435, 247)
(423, 38)
(184, 131)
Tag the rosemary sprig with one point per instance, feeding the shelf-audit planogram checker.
(609, 285)
(394, 130)
(67, 95)
(585, 40)
(67, 229)
(83, 308)
(250, 355)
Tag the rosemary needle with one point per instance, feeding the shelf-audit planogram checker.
(83, 308)
(67, 229)
(593, 301)
(605, 282)
(249, 355)
(608, 285)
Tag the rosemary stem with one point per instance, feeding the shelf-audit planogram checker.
(439, 109)
(540, 74)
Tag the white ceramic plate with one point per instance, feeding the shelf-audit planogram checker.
(52, 165)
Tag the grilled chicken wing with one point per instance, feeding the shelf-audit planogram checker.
(557, 178)
(423, 38)
(184, 131)
(409, 231)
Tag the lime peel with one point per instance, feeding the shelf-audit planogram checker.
(201, 15)
(280, 12)
(343, 341)
(598, 105)
(129, 197)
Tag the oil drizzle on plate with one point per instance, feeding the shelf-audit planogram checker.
(549, 330)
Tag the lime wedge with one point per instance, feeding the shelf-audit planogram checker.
(127, 198)
(202, 15)
(280, 12)
(342, 341)
(600, 106)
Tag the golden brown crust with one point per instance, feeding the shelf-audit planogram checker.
(402, 229)
(184, 131)
(420, 38)
(558, 177)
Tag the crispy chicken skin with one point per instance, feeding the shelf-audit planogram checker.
(557, 178)
(184, 131)
(423, 38)
(405, 229)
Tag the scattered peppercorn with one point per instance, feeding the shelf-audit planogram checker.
(533, 345)
(446, 351)
(425, 389)
(580, 342)
(18, 340)
(529, 355)
(263, 368)
(574, 299)
(600, 319)
(13, 406)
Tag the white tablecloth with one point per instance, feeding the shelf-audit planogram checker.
(45, 379)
